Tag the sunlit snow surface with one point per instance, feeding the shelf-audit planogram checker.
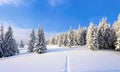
(56, 59)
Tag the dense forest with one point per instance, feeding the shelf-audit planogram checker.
(94, 37)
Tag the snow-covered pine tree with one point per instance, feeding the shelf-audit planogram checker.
(114, 31)
(118, 40)
(21, 45)
(16, 46)
(80, 37)
(116, 27)
(31, 43)
(60, 41)
(112, 39)
(92, 37)
(75, 38)
(43, 39)
(1, 41)
(56, 40)
(48, 42)
(10, 43)
(52, 41)
(65, 39)
(84, 31)
(103, 34)
(40, 45)
(71, 37)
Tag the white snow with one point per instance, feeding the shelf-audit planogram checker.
(56, 59)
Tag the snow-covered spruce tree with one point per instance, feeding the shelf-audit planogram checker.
(1, 41)
(92, 37)
(48, 42)
(16, 46)
(112, 39)
(56, 40)
(103, 34)
(70, 37)
(80, 37)
(60, 41)
(75, 38)
(10, 43)
(116, 27)
(65, 39)
(21, 45)
(40, 45)
(31, 43)
(43, 39)
(84, 31)
(52, 41)
(118, 40)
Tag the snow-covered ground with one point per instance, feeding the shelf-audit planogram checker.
(56, 59)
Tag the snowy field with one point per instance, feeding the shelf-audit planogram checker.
(56, 59)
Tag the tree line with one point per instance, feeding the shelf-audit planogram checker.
(94, 37)
(9, 47)
(70, 38)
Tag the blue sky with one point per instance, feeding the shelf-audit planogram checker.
(57, 15)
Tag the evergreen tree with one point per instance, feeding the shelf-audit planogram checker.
(112, 39)
(1, 41)
(84, 35)
(75, 38)
(60, 41)
(71, 37)
(52, 41)
(92, 37)
(40, 45)
(56, 40)
(10, 43)
(31, 41)
(116, 28)
(118, 40)
(103, 34)
(15, 46)
(48, 42)
(80, 37)
(65, 39)
(21, 44)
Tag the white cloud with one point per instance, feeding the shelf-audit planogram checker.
(54, 3)
(11, 2)
(17, 2)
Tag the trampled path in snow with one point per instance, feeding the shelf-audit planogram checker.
(56, 59)
(67, 62)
